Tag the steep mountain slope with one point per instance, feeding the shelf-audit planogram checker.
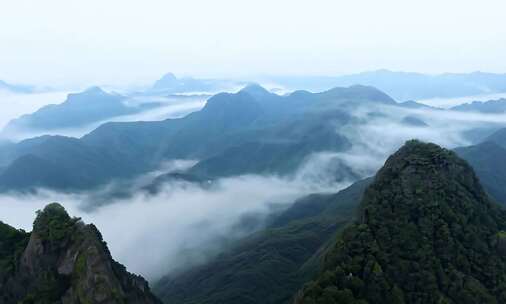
(498, 137)
(268, 266)
(293, 126)
(489, 162)
(427, 233)
(63, 261)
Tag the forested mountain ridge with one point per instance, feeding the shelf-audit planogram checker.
(301, 122)
(427, 233)
(63, 261)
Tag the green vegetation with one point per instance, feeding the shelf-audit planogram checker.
(12, 244)
(427, 234)
(64, 259)
(268, 266)
(53, 224)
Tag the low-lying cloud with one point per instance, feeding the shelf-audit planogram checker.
(183, 224)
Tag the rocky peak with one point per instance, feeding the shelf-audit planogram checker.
(67, 261)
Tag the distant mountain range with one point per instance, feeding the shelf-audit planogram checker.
(401, 86)
(492, 106)
(252, 131)
(79, 109)
(232, 132)
(405, 85)
(170, 84)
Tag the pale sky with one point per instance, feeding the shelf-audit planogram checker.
(126, 42)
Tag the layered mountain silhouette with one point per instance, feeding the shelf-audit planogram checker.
(63, 260)
(79, 109)
(491, 106)
(252, 126)
(407, 85)
(170, 84)
(427, 233)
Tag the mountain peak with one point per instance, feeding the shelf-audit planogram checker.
(427, 233)
(169, 76)
(91, 92)
(255, 90)
(66, 261)
(94, 90)
(426, 169)
(168, 80)
(358, 93)
(49, 216)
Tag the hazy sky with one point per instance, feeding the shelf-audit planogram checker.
(122, 41)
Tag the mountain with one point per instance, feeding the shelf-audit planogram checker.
(248, 127)
(89, 106)
(489, 162)
(410, 104)
(491, 106)
(170, 84)
(270, 265)
(406, 85)
(63, 261)
(488, 159)
(498, 137)
(58, 162)
(427, 233)
(300, 124)
(16, 88)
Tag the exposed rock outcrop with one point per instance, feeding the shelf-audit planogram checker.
(66, 261)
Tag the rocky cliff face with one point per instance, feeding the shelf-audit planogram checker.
(66, 261)
(427, 233)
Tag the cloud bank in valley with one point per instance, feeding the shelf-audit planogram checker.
(184, 223)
